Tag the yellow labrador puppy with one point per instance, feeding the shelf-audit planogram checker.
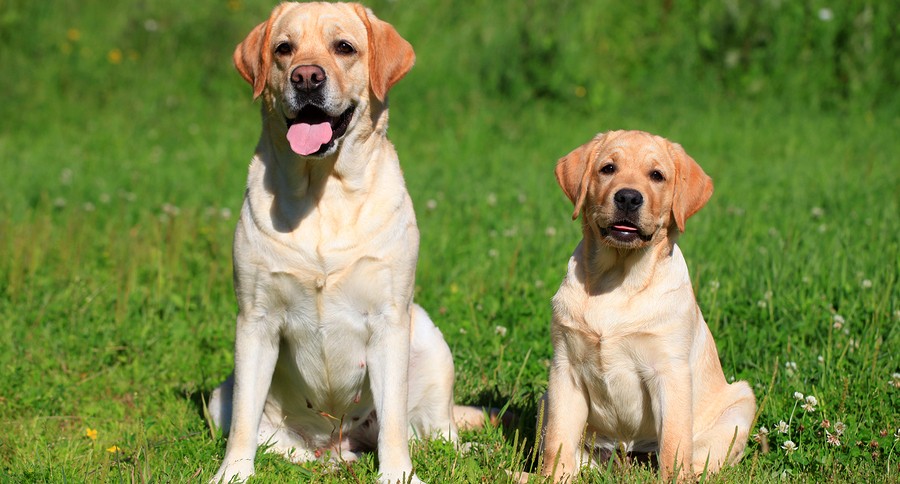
(634, 363)
(331, 355)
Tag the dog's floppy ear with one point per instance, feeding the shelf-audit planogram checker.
(390, 56)
(573, 175)
(253, 59)
(573, 171)
(693, 186)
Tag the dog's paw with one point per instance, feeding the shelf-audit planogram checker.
(399, 477)
(237, 471)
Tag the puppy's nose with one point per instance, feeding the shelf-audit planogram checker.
(308, 78)
(628, 199)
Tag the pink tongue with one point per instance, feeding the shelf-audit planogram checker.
(624, 228)
(306, 139)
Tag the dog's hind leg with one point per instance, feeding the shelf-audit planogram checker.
(430, 380)
(724, 441)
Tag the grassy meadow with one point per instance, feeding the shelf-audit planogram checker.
(125, 134)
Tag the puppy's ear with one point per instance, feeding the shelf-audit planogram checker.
(390, 56)
(252, 57)
(574, 176)
(693, 186)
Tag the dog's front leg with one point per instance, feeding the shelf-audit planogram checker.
(255, 354)
(672, 402)
(566, 413)
(388, 359)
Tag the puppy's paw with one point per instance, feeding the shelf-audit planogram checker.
(399, 477)
(237, 471)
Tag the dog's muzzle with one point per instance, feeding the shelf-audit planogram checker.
(312, 132)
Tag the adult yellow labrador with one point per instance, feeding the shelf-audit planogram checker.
(331, 355)
(634, 363)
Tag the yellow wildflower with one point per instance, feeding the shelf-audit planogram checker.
(113, 449)
(90, 433)
(114, 56)
(73, 34)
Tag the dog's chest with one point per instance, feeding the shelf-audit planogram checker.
(614, 351)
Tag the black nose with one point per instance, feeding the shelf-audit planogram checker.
(308, 78)
(628, 199)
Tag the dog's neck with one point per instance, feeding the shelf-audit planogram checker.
(608, 268)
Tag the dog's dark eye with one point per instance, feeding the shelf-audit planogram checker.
(343, 47)
(657, 176)
(283, 48)
(608, 169)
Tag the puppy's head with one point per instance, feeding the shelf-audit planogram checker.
(320, 66)
(632, 186)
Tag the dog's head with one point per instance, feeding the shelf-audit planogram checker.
(632, 185)
(320, 66)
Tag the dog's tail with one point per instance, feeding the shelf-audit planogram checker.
(468, 418)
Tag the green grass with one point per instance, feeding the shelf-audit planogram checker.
(124, 146)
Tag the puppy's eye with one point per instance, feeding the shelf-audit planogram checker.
(657, 176)
(608, 169)
(283, 48)
(344, 48)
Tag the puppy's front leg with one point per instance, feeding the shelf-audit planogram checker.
(672, 401)
(566, 411)
(388, 359)
(255, 354)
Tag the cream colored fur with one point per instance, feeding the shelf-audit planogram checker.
(634, 363)
(331, 355)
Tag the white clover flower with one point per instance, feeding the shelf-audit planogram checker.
(431, 204)
(59, 202)
(493, 253)
(105, 198)
(839, 428)
(782, 427)
(170, 209)
(798, 395)
(65, 177)
(88, 207)
(714, 285)
(762, 432)
(767, 296)
(812, 400)
(825, 14)
(838, 321)
(820, 359)
(866, 284)
(895, 380)
(761, 303)
(790, 367)
(492, 199)
(501, 330)
(225, 213)
(789, 446)
(817, 212)
(550, 231)
(832, 439)
(823, 228)
(538, 283)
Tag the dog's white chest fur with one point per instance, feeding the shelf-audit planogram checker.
(614, 343)
(325, 291)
